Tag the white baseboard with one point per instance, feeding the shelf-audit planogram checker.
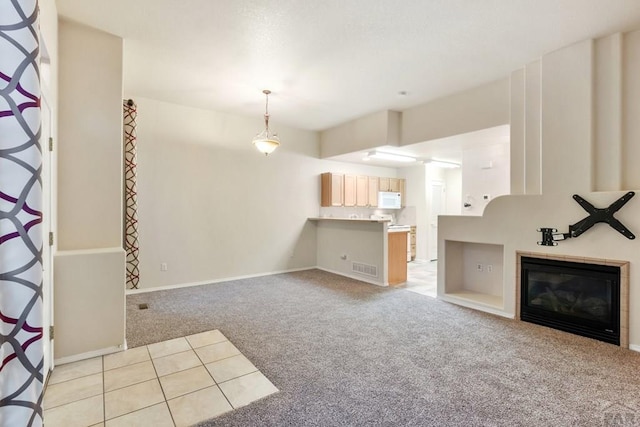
(352, 276)
(90, 354)
(634, 347)
(211, 281)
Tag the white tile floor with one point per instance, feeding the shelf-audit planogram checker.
(173, 383)
(422, 277)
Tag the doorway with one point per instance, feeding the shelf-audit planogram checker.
(436, 207)
(422, 274)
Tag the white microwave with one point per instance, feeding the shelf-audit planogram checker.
(389, 200)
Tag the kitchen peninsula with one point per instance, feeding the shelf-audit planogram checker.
(364, 249)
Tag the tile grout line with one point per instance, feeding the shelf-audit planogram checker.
(166, 401)
(243, 375)
(233, 408)
(141, 382)
(76, 400)
(136, 383)
(224, 358)
(104, 396)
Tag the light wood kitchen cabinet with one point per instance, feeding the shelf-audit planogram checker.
(384, 184)
(394, 185)
(397, 257)
(350, 189)
(374, 188)
(331, 189)
(390, 184)
(362, 191)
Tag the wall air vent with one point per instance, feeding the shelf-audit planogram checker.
(366, 269)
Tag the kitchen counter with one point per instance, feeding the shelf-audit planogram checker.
(331, 218)
(390, 228)
(398, 228)
(367, 249)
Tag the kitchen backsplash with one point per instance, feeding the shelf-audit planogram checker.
(406, 215)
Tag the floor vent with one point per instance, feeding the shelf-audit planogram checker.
(143, 306)
(366, 269)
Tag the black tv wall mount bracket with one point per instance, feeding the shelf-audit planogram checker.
(550, 236)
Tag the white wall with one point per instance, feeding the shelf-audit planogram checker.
(90, 149)
(453, 181)
(608, 150)
(526, 144)
(49, 32)
(628, 118)
(371, 131)
(212, 207)
(475, 109)
(485, 171)
(566, 119)
(89, 214)
(89, 303)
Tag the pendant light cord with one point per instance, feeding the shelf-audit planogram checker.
(266, 110)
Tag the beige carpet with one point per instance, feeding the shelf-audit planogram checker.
(345, 353)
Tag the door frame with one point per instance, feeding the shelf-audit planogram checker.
(48, 176)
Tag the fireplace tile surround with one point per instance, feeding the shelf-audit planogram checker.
(624, 284)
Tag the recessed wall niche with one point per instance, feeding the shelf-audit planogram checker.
(474, 274)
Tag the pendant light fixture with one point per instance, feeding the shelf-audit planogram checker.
(266, 142)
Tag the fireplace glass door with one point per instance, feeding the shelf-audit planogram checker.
(583, 299)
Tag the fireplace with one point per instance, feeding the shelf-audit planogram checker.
(575, 297)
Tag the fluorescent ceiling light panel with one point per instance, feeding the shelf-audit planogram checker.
(380, 155)
(441, 164)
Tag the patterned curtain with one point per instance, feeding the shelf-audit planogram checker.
(21, 312)
(130, 112)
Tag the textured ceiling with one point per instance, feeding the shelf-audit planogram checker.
(330, 61)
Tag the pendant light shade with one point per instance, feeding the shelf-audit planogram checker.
(266, 141)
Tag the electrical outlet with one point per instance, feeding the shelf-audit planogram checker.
(479, 268)
(163, 266)
(489, 268)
